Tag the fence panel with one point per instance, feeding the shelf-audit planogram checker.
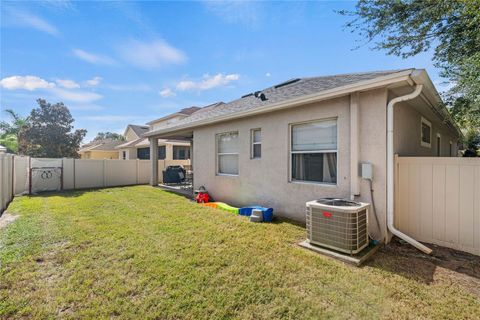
(437, 200)
(144, 171)
(79, 173)
(89, 173)
(6, 180)
(21, 181)
(120, 173)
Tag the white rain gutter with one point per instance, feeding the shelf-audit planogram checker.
(390, 170)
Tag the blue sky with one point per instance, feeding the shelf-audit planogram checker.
(114, 63)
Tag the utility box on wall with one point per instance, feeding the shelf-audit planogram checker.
(366, 171)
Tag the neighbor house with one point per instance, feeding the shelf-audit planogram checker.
(138, 147)
(305, 138)
(100, 149)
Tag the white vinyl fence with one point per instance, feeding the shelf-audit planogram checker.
(437, 200)
(82, 173)
(6, 180)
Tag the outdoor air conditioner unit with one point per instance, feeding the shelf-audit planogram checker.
(338, 224)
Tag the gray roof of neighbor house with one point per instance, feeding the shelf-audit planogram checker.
(138, 129)
(101, 145)
(184, 112)
(284, 91)
(189, 111)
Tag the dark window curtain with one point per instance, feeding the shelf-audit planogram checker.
(161, 153)
(181, 152)
(316, 167)
(143, 153)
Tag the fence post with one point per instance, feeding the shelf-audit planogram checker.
(74, 174)
(137, 163)
(2, 156)
(104, 173)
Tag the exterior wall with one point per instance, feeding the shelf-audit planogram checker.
(165, 122)
(130, 135)
(131, 153)
(373, 149)
(407, 134)
(97, 154)
(266, 182)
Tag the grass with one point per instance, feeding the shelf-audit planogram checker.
(139, 252)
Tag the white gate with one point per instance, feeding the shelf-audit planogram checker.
(45, 175)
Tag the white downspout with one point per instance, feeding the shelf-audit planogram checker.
(390, 171)
(354, 145)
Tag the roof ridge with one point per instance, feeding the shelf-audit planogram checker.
(357, 73)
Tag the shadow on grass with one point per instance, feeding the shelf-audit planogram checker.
(72, 193)
(403, 259)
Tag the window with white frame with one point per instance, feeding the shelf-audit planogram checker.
(426, 133)
(314, 151)
(256, 143)
(227, 153)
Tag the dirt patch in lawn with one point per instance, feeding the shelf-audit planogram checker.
(444, 265)
(7, 218)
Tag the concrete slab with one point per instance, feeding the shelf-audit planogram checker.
(356, 259)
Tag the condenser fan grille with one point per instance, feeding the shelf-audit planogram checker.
(342, 231)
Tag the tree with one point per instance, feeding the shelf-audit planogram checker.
(9, 141)
(109, 136)
(452, 27)
(48, 132)
(9, 131)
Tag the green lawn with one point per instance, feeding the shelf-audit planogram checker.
(139, 252)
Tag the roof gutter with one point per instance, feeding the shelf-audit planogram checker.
(324, 95)
(433, 98)
(391, 172)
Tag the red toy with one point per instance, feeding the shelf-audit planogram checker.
(202, 195)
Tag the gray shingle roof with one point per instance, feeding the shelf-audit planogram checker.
(189, 111)
(138, 129)
(279, 93)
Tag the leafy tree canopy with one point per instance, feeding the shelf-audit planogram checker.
(9, 131)
(48, 132)
(452, 27)
(109, 136)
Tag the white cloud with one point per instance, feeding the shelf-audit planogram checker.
(167, 92)
(95, 81)
(92, 57)
(65, 90)
(153, 54)
(208, 82)
(25, 82)
(26, 19)
(242, 12)
(67, 83)
(267, 74)
(76, 96)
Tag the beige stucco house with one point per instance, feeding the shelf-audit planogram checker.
(138, 147)
(305, 139)
(101, 149)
